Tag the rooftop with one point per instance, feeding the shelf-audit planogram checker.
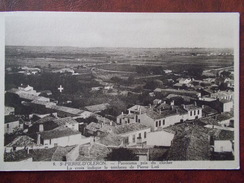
(10, 118)
(21, 141)
(138, 108)
(58, 132)
(64, 121)
(190, 145)
(127, 128)
(98, 107)
(61, 152)
(224, 116)
(45, 119)
(191, 107)
(209, 110)
(109, 139)
(93, 126)
(66, 109)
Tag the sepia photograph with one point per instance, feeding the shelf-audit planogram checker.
(119, 91)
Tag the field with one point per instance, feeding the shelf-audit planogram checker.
(119, 59)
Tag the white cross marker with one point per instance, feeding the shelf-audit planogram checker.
(60, 88)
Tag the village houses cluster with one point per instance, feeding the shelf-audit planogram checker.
(203, 117)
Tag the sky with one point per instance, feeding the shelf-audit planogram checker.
(137, 30)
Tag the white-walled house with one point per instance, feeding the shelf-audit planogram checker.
(62, 136)
(194, 112)
(133, 133)
(162, 119)
(126, 118)
(160, 138)
(223, 146)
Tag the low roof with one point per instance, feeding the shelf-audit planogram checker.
(98, 107)
(127, 128)
(137, 108)
(209, 110)
(58, 132)
(44, 120)
(21, 141)
(191, 107)
(67, 109)
(10, 118)
(224, 116)
(93, 126)
(63, 121)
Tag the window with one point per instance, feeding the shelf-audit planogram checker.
(190, 113)
(156, 123)
(50, 141)
(120, 121)
(194, 113)
(164, 122)
(145, 134)
(7, 125)
(134, 139)
(128, 120)
(159, 123)
(139, 120)
(198, 112)
(139, 135)
(136, 118)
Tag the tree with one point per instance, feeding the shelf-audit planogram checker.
(121, 154)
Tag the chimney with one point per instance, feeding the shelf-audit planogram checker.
(172, 103)
(150, 106)
(164, 102)
(122, 113)
(160, 112)
(38, 139)
(184, 106)
(41, 129)
(140, 110)
(203, 106)
(195, 103)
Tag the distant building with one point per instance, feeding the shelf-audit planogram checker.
(63, 111)
(167, 91)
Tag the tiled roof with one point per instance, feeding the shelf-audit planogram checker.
(21, 141)
(10, 118)
(224, 116)
(126, 128)
(209, 110)
(98, 107)
(63, 121)
(93, 126)
(58, 132)
(45, 119)
(66, 109)
(191, 145)
(109, 139)
(61, 152)
(191, 107)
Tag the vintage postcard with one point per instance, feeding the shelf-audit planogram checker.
(119, 91)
